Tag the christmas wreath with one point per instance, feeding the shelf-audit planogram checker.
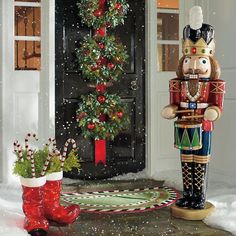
(101, 116)
(103, 13)
(101, 59)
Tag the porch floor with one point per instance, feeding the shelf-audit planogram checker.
(158, 222)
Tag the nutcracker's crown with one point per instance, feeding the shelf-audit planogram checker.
(198, 48)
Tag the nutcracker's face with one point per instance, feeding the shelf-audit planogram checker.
(195, 67)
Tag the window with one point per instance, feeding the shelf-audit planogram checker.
(167, 34)
(27, 35)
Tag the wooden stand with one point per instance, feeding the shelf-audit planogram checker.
(192, 214)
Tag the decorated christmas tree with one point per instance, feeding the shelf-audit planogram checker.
(101, 57)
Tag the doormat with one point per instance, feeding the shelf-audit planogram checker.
(122, 201)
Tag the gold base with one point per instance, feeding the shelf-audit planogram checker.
(192, 214)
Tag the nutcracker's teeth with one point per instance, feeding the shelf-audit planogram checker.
(193, 76)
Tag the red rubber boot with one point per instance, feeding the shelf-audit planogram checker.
(35, 222)
(53, 210)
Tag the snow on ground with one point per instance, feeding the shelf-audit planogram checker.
(11, 215)
(220, 193)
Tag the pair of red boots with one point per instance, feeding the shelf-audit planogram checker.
(41, 202)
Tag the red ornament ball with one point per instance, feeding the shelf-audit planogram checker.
(97, 13)
(91, 126)
(110, 65)
(120, 114)
(118, 6)
(101, 99)
(101, 88)
(101, 32)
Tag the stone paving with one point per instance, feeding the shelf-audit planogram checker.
(158, 222)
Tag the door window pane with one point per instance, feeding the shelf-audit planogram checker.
(168, 57)
(27, 21)
(168, 4)
(27, 55)
(167, 26)
(27, 35)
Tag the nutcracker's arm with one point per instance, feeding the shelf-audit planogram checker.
(216, 100)
(169, 111)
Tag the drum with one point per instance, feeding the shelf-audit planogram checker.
(188, 135)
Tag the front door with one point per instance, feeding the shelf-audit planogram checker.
(127, 152)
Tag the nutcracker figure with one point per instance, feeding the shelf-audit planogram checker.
(196, 99)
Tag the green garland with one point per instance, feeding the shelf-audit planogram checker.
(101, 59)
(101, 116)
(92, 16)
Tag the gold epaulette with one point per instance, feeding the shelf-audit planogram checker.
(217, 86)
(174, 85)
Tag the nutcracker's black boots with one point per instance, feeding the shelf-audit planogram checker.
(199, 186)
(187, 175)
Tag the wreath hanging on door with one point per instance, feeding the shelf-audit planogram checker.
(101, 116)
(103, 13)
(101, 59)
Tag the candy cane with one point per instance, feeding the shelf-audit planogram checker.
(27, 140)
(52, 141)
(32, 163)
(18, 149)
(74, 146)
(46, 163)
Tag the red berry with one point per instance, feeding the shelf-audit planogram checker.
(118, 6)
(101, 99)
(110, 65)
(91, 126)
(94, 67)
(103, 60)
(102, 117)
(100, 45)
(120, 114)
(101, 88)
(97, 13)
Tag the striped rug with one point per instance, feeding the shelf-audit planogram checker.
(122, 201)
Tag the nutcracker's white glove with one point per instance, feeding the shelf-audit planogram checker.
(169, 112)
(212, 113)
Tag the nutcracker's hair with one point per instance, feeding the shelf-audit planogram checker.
(215, 68)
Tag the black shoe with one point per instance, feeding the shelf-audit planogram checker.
(186, 200)
(38, 232)
(198, 201)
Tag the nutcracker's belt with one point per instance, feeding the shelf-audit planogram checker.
(193, 105)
